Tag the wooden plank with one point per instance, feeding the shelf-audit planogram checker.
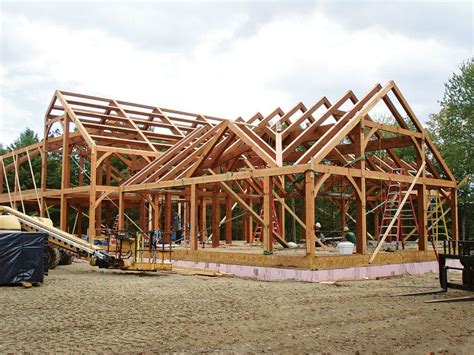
(393, 129)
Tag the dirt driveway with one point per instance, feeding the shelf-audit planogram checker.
(83, 309)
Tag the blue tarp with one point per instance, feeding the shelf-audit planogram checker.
(22, 257)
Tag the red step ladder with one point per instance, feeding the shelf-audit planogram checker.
(258, 232)
(406, 219)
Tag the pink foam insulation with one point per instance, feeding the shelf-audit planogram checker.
(353, 273)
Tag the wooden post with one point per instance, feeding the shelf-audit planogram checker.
(377, 223)
(98, 208)
(63, 213)
(203, 219)
(44, 163)
(193, 218)
(361, 220)
(156, 212)
(65, 176)
(81, 170)
(79, 221)
(185, 220)
(309, 213)
(293, 221)
(282, 211)
(107, 204)
(422, 199)
(142, 215)
(342, 212)
(1, 177)
(267, 214)
(228, 220)
(454, 214)
(16, 181)
(216, 218)
(92, 196)
(250, 222)
(245, 228)
(167, 217)
(121, 211)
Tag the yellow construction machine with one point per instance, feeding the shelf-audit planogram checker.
(158, 256)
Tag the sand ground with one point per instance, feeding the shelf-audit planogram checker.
(84, 309)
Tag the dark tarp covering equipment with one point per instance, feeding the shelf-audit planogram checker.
(22, 257)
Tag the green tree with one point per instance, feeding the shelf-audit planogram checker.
(26, 138)
(452, 129)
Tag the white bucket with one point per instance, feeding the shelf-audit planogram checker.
(345, 247)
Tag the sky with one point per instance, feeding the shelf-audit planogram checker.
(225, 58)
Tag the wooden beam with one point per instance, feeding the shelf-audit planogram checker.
(393, 129)
(286, 170)
(379, 144)
(118, 150)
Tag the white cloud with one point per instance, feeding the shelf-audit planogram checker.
(13, 120)
(300, 57)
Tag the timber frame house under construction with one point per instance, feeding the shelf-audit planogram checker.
(328, 150)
